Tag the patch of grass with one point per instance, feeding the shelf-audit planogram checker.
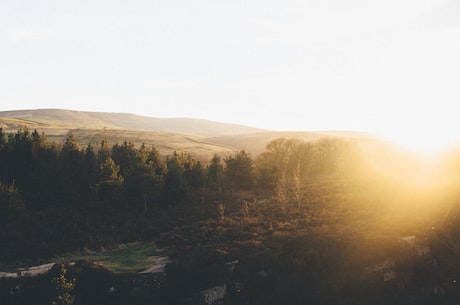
(130, 257)
(127, 258)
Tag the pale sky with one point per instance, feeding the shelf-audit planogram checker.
(385, 66)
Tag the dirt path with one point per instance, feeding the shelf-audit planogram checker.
(158, 266)
(31, 271)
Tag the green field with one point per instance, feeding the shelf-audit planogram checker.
(127, 258)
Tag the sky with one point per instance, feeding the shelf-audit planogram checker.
(389, 67)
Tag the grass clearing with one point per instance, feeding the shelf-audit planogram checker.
(130, 257)
(127, 258)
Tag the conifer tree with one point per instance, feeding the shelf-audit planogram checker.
(73, 185)
(240, 170)
(175, 183)
(104, 152)
(110, 181)
(215, 174)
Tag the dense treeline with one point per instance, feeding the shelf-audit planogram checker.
(61, 196)
(35, 173)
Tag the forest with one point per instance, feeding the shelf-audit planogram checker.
(332, 221)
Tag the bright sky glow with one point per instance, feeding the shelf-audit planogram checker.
(385, 66)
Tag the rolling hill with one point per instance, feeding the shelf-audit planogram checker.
(200, 138)
(58, 119)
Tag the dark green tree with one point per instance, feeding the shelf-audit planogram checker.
(215, 174)
(43, 172)
(104, 152)
(3, 153)
(73, 185)
(197, 179)
(10, 197)
(239, 171)
(175, 183)
(110, 180)
(2, 139)
(4, 164)
(92, 171)
(20, 158)
(126, 156)
(150, 176)
(197, 175)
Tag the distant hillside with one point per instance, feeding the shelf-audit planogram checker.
(200, 138)
(255, 143)
(166, 143)
(58, 121)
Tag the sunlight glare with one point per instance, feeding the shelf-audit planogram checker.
(425, 143)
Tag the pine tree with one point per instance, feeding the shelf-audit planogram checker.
(110, 181)
(240, 170)
(215, 173)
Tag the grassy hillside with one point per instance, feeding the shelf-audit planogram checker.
(255, 143)
(166, 143)
(166, 134)
(49, 119)
(200, 138)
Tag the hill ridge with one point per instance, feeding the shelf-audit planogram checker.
(74, 119)
(200, 137)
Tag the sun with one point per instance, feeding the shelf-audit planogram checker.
(424, 141)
